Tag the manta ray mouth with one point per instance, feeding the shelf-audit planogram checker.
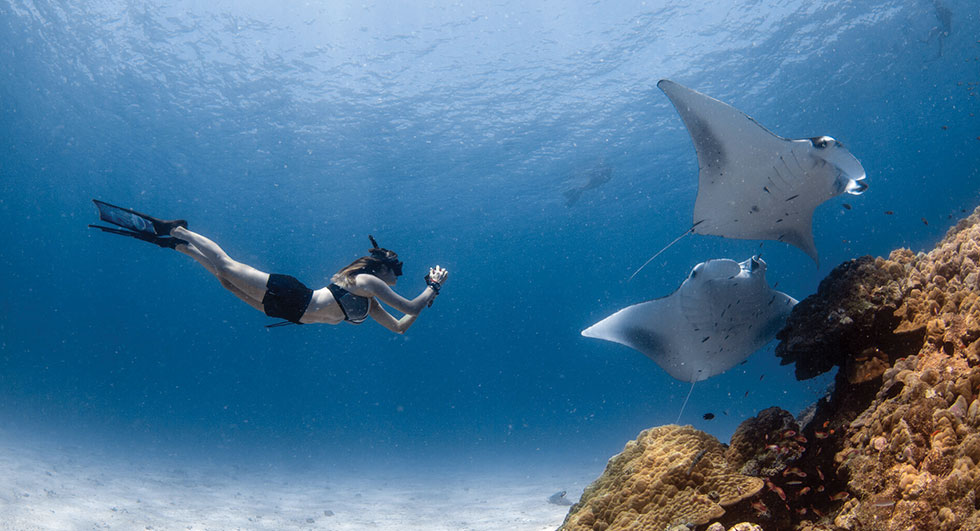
(849, 167)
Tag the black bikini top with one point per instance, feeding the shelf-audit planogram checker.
(355, 307)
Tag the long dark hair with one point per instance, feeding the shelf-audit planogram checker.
(372, 265)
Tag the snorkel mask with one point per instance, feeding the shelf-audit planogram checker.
(388, 258)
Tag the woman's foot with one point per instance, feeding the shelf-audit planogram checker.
(163, 227)
(164, 242)
(169, 243)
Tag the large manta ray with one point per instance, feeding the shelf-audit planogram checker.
(753, 184)
(723, 312)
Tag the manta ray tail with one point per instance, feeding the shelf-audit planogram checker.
(677, 239)
(685, 403)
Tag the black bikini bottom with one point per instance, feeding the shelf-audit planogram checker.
(286, 298)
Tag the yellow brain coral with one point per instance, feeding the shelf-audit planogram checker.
(670, 475)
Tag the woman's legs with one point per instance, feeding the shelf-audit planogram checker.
(246, 282)
(193, 252)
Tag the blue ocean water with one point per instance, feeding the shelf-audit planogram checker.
(450, 131)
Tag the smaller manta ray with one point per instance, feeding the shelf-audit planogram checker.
(559, 498)
(753, 184)
(722, 313)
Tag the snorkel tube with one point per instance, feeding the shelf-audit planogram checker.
(387, 257)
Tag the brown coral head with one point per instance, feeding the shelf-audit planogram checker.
(867, 366)
(669, 475)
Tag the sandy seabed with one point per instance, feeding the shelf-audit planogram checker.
(55, 487)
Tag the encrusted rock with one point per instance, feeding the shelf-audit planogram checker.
(853, 311)
(670, 475)
(742, 526)
(764, 445)
(906, 401)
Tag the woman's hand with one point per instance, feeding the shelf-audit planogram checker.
(438, 274)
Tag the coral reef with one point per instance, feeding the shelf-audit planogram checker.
(669, 476)
(894, 446)
(905, 409)
(850, 318)
(764, 445)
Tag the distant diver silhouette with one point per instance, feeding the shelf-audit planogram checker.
(597, 177)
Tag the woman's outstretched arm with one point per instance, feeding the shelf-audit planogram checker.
(385, 294)
(398, 326)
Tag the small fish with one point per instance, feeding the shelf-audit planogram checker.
(820, 474)
(945, 127)
(847, 206)
(794, 471)
(842, 495)
(794, 483)
(789, 433)
(709, 416)
(800, 439)
(820, 434)
(760, 507)
(696, 460)
(761, 377)
(924, 221)
(889, 212)
(804, 491)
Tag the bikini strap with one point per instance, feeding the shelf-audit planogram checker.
(337, 293)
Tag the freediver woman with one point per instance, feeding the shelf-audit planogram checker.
(354, 294)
